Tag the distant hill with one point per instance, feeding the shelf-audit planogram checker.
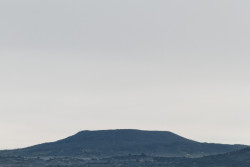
(105, 143)
(239, 158)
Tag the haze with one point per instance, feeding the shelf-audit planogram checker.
(175, 65)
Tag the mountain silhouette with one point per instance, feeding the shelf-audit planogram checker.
(104, 143)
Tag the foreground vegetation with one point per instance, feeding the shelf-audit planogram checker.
(234, 159)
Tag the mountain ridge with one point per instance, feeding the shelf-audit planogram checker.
(104, 143)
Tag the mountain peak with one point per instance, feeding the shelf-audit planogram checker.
(101, 143)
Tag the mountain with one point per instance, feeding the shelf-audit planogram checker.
(106, 143)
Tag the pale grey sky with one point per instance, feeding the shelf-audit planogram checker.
(175, 65)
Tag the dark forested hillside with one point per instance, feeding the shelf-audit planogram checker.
(106, 143)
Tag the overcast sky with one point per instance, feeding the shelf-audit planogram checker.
(175, 65)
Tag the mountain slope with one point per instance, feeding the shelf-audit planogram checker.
(239, 158)
(122, 142)
(236, 159)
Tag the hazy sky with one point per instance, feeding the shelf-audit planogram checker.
(175, 65)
